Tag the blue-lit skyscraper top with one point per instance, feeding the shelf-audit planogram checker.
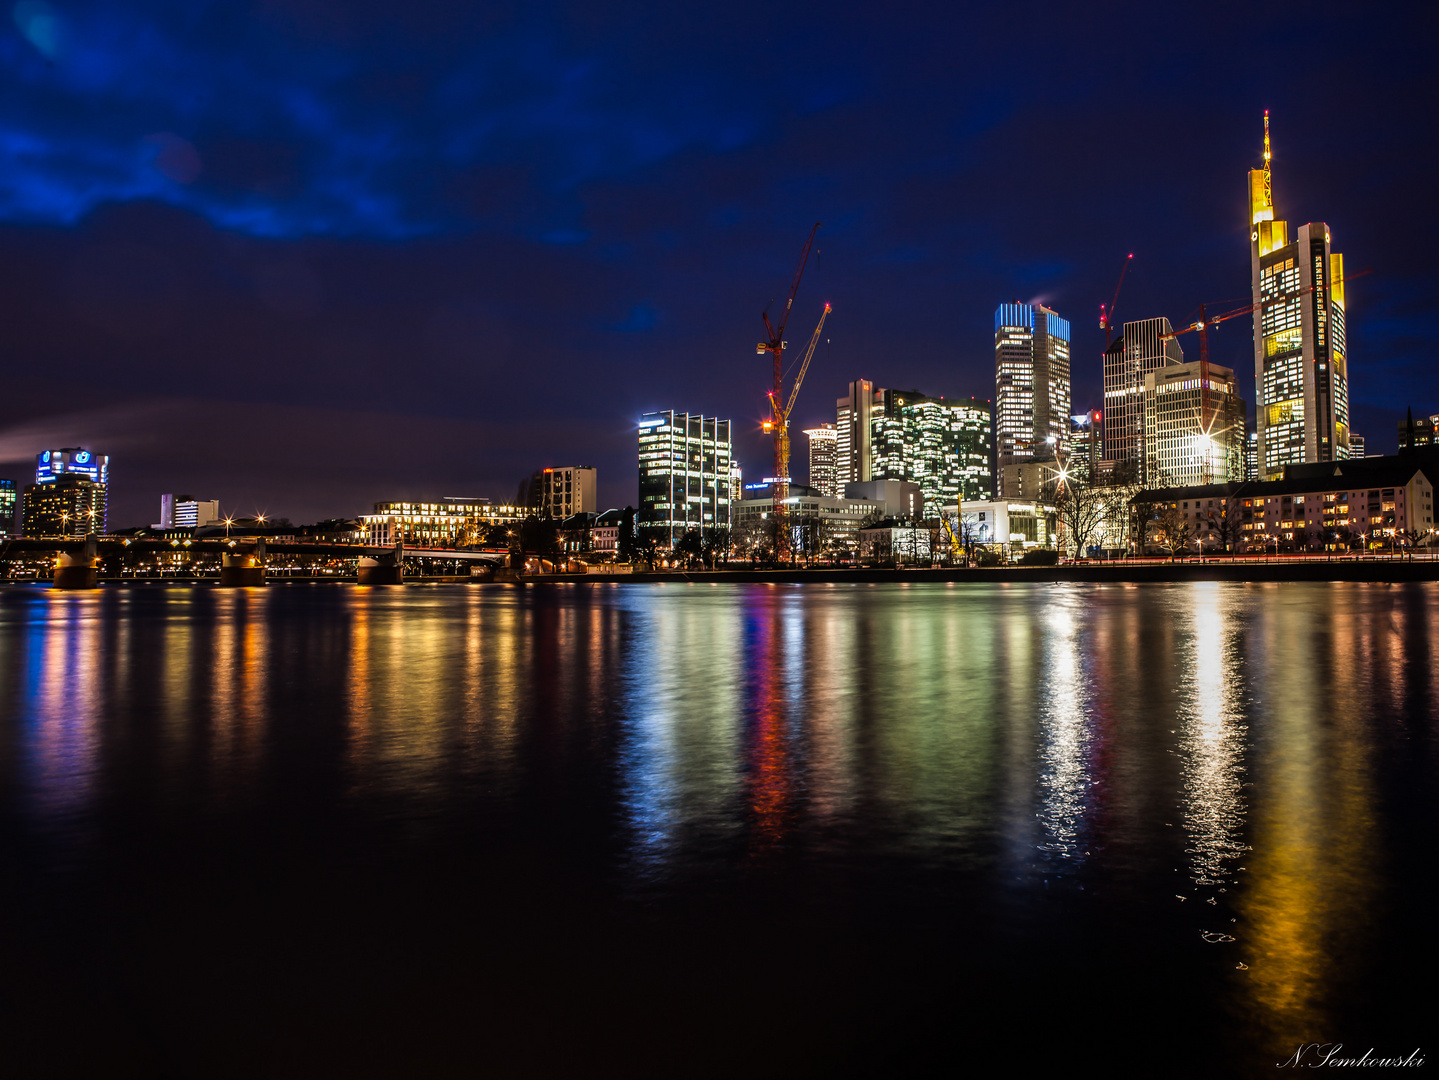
(51, 465)
(1017, 316)
(1031, 382)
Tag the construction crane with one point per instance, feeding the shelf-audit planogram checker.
(1106, 315)
(1206, 422)
(775, 346)
(778, 422)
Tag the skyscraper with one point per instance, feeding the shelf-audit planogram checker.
(1189, 440)
(685, 473)
(70, 496)
(1301, 367)
(8, 502)
(854, 416)
(823, 443)
(1141, 348)
(1031, 380)
(941, 444)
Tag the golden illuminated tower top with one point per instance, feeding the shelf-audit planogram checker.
(1268, 185)
(1261, 189)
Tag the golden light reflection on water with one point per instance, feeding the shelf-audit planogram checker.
(241, 682)
(1308, 891)
(434, 690)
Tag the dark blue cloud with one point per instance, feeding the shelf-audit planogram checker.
(567, 213)
(378, 138)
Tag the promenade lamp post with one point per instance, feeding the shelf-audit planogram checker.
(228, 522)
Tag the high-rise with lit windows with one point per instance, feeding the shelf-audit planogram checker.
(1194, 433)
(9, 500)
(1301, 365)
(941, 444)
(854, 424)
(685, 474)
(823, 447)
(70, 496)
(1143, 346)
(1031, 380)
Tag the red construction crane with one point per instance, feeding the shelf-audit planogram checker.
(775, 346)
(778, 423)
(1206, 422)
(1106, 316)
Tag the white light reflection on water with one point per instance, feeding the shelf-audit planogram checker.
(679, 749)
(1211, 740)
(1064, 734)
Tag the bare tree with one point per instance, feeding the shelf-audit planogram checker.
(1174, 530)
(1080, 508)
(1227, 522)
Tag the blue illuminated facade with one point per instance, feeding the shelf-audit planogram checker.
(51, 465)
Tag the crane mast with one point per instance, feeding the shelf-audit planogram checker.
(775, 343)
(778, 423)
(1106, 315)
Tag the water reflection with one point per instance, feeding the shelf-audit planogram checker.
(1063, 732)
(1211, 741)
(1316, 854)
(1210, 758)
(60, 714)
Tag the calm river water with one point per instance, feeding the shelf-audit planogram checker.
(693, 829)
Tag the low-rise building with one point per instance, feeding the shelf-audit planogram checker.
(899, 540)
(896, 498)
(451, 522)
(1369, 502)
(187, 512)
(1017, 523)
(838, 520)
(605, 534)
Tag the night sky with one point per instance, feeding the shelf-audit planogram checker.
(301, 257)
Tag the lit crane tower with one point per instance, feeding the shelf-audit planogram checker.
(778, 423)
(775, 346)
(1106, 315)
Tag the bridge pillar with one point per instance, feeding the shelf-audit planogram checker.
(79, 571)
(76, 572)
(384, 570)
(239, 570)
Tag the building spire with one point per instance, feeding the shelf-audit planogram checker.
(1268, 183)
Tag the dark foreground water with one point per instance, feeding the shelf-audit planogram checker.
(734, 830)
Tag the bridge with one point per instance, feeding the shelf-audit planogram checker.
(242, 560)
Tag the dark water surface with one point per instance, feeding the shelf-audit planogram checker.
(676, 830)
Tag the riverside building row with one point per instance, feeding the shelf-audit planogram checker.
(1316, 506)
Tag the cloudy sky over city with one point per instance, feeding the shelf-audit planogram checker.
(305, 256)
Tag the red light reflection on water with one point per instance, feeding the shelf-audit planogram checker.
(770, 782)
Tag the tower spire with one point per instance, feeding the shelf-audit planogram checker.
(1268, 184)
